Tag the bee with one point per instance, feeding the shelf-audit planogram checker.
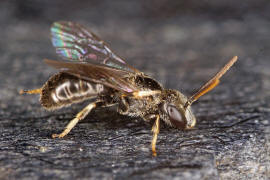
(91, 71)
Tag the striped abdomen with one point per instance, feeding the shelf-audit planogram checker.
(64, 89)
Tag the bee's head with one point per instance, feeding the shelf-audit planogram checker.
(175, 109)
(174, 112)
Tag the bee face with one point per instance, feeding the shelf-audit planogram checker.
(173, 112)
(190, 118)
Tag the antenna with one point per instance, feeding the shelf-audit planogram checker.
(211, 84)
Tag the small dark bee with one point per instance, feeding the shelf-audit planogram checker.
(91, 71)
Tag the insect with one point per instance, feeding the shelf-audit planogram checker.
(91, 71)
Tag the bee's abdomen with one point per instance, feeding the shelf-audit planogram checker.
(71, 90)
(63, 89)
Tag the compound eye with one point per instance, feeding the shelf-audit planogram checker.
(176, 117)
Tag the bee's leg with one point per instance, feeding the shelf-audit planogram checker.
(33, 91)
(74, 121)
(123, 106)
(155, 130)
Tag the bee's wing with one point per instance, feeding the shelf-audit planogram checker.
(108, 76)
(73, 42)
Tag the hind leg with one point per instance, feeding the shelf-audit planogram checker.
(33, 91)
(74, 121)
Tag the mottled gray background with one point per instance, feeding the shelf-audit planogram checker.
(180, 43)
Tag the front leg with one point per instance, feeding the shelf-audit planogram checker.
(74, 121)
(155, 130)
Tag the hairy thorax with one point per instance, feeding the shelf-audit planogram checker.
(143, 107)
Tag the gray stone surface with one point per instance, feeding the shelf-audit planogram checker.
(180, 44)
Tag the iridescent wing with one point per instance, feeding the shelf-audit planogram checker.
(73, 42)
(108, 76)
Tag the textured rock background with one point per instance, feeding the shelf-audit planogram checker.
(181, 44)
